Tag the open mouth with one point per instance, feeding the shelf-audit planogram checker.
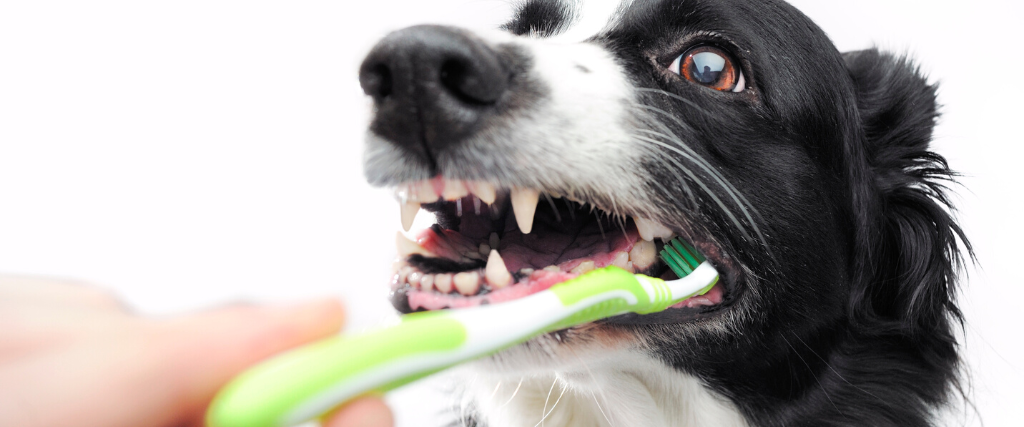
(492, 245)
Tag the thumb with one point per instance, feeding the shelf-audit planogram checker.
(208, 349)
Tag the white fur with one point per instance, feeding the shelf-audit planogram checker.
(624, 389)
(591, 17)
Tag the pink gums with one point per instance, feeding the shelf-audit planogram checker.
(538, 281)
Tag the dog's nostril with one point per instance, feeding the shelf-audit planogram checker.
(376, 82)
(470, 84)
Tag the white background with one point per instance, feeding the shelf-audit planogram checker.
(195, 152)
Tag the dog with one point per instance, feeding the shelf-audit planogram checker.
(586, 134)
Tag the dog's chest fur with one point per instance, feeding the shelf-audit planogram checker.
(628, 389)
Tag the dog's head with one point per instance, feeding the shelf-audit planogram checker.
(585, 136)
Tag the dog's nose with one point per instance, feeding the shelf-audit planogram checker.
(430, 85)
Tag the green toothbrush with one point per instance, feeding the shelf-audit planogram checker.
(304, 383)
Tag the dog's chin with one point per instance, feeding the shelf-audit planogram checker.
(491, 245)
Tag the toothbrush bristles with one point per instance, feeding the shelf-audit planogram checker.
(681, 257)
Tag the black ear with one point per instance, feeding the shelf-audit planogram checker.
(914, 254)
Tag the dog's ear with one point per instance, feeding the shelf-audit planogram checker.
(913, 250)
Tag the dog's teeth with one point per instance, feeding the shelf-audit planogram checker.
(620, 260)
(552, 268)
(403, 274)
(414, 279)
(409, 211)
(423, 192)
(467, 282)
(485, 249)
(496, 272)
(454, 190)
(526, 271)
(493, 241)
(427, 282)
(584, 267)
(408, 247)
(524, 204)
(443, 282)
(649, 229)
(643, 254)
(484, 190)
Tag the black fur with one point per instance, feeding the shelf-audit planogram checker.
(854, 321)
(840, 252)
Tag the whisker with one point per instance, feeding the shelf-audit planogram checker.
(738, 197)
(553, 208)
(714, 197)
(546, 400)
(541, 423)
(514, 393)
(672, 95)
(813, 375)
(496, 388)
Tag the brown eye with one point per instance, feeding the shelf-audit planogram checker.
(709, 66)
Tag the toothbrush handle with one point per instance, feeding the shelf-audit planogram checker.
(306, 382)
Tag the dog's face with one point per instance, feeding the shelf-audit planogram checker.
(586, 135)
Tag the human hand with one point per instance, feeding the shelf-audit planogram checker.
(72, 355)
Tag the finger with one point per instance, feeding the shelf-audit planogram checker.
(206, 350)
(58, 293)
(364, 412)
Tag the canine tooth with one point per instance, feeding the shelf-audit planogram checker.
(524, 205)
(650, 229)
(454, 190)
(643, 254)
(414, 278)
(493, 241)
(496, 272)
(485, 249)
(621, 258)
(584, 267)
(443, 282)
(552, 268)
(408, 247)
(427, 282)
(484, 190)
(467, 282)
(409, 211)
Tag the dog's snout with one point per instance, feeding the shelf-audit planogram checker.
(430, 85)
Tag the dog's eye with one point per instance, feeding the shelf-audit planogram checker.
(709, 66)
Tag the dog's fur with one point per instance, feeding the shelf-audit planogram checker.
(813, 191)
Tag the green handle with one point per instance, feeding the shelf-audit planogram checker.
(267, 394)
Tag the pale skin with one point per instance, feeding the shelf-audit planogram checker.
(72, 355)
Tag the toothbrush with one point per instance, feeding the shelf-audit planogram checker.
(304, 383)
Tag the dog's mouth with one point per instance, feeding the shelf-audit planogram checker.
(492, 245)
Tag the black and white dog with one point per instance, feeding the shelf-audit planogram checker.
(587, 133)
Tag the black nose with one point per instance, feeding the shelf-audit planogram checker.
(431, 85)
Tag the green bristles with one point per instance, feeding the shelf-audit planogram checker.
(681, 257)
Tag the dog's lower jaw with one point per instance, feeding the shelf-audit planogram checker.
(624, 388)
